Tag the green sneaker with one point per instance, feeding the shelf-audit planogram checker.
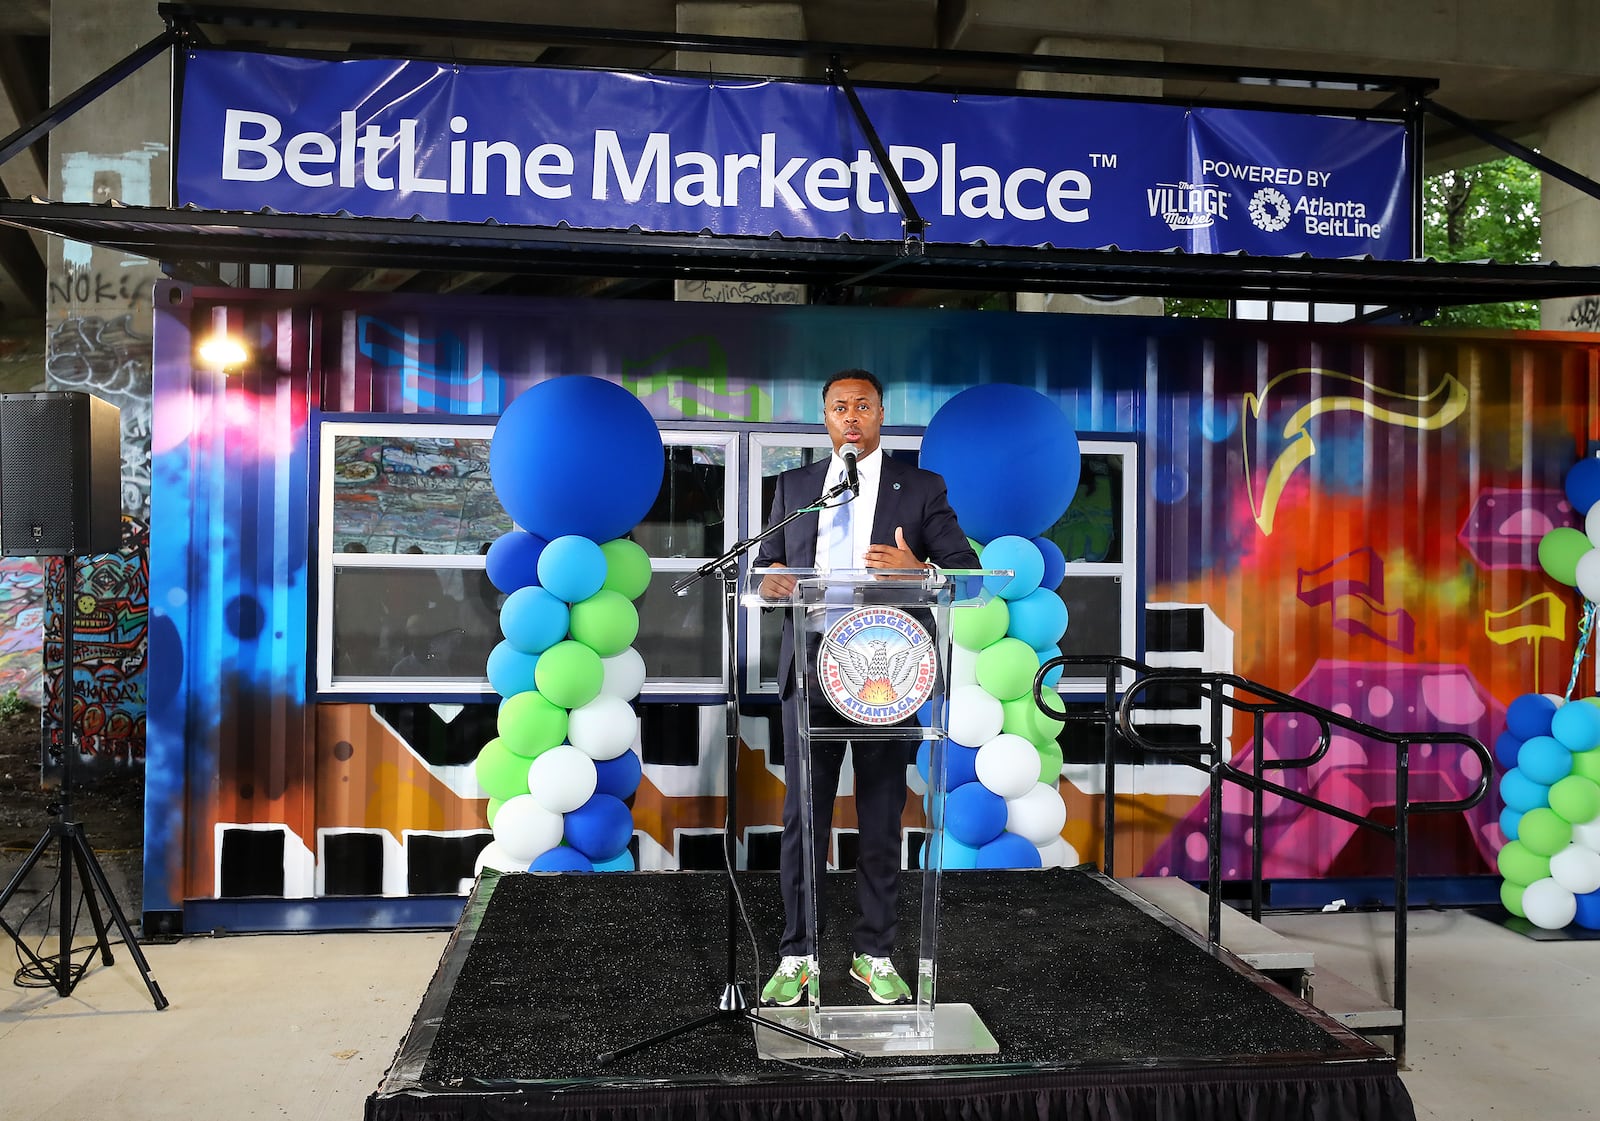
(878, 975)
(789, 983)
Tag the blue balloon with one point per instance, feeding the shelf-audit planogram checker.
(622, 862)
(1576, 725)
(533, 620)
(1530, 715)
(1022, 557)
(1010, 851)
(1509, 820)
(1040, 619)
(1544, 760)
(1506, 746)
(561, 859)
(513, 560)
(1588, 915)
(1025, 490)
(1521, 793)
(600, 828)
(1049, 653)
(510, 670)
(974, 814)
(572, 568)
(960, 764)
(618, 777)
(577, 455)
(1583, 484)
(1055, 563)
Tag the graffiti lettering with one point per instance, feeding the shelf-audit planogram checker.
(742, 292)
(1585, 314)
(80, 286)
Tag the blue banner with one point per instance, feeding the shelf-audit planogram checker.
(539, 147)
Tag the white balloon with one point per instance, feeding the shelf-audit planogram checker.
(1576, 868)
(560, 780)
(523, 829)
(1008, 765)
(1587, 834)
(963, 666)
(496, 858)
(1591, 523)
(1038, 815)
(1058, 854)
(1546, 903)
(603, 728)
(976, 716)
(624, 674)
(1588, 575)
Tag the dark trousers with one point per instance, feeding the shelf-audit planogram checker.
(880, 780)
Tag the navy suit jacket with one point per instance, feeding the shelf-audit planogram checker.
(908, 497)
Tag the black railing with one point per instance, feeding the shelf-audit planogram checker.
(1230, 691)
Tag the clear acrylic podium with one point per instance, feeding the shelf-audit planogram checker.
(872, 659)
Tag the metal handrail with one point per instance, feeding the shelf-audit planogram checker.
(1260, 701)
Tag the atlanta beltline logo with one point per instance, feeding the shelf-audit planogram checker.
(1197, 206)
(876, 665)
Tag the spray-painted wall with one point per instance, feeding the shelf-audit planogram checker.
(1347, 514)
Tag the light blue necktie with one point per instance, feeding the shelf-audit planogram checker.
(841, 540)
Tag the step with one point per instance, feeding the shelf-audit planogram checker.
(1268, 952)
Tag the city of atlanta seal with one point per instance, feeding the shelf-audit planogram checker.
(877, 665)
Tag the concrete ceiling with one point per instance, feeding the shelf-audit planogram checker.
(1509, 73)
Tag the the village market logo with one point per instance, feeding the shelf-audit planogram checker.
(877, 665)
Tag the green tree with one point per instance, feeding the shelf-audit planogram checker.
(1489, 211)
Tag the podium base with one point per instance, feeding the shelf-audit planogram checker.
(893, 1030)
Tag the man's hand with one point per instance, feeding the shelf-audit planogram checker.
(898, 555)
(774, 586)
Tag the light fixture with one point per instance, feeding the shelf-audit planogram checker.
(223, 352)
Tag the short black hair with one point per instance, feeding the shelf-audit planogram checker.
(852, 375)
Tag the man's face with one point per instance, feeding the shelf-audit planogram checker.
(853, 412)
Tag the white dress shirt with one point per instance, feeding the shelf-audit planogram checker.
(863, 508)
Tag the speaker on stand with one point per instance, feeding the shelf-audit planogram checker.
(61, 496)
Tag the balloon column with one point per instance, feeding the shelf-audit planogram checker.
(1550, 752)
(560, 770)
(1003, 808)
(1551, 790)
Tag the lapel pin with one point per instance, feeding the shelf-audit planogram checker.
(897, 486)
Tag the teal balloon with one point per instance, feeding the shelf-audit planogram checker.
(573, 568)
(1040, 619)
(533, 619)
(511, 671)
(1576, 726)
(1559, 553)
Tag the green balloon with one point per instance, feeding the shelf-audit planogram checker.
(1006, 668)
(1586, 764)
(502, 773)
(606, 622)
(1048, 722)
(570, 674)
(1049, 762)
(1511, 896)
(1521, 865)
(530, 724)
(974, 628)
(1019, 715)
(627, 568)
(1544, 832)
(494, 809)
(1559, 552)
(1575, 798)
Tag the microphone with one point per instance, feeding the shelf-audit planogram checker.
(848, 452)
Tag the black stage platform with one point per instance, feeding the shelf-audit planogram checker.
(1103, 1008)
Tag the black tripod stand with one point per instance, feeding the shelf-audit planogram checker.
(73, 851)
(734, 1004)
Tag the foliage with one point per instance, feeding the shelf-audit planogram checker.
(11, 704)
(1486, 212)
(1195, 309)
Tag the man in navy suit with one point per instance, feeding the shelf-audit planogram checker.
(901, 518)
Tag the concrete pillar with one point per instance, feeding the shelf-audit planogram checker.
(98, 314)
(1092, 84)
(1570, 220)
(753, 20)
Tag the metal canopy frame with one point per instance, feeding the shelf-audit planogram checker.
(187, 240)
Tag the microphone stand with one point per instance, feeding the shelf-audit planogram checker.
(735, 1004)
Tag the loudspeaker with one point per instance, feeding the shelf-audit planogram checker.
(60, 475)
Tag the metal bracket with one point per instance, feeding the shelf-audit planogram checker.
(912, 224)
